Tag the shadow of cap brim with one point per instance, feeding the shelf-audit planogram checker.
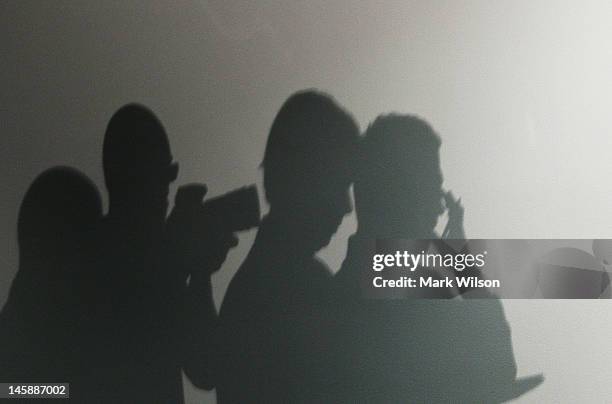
(519, 387)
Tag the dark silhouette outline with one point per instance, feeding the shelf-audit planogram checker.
(134, 335)
(272, 334)
(124, 302)
(153, 305)
(414, 350)
(43, 323)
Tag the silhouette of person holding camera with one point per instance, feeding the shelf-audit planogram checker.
(271, 318)
(195, 226)
(42, 333)
(143, 321)
(415, 350)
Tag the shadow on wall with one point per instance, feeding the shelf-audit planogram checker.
(128, 296)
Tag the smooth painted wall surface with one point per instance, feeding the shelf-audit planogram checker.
(519, 91)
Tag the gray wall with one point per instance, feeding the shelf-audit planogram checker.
(518, 90)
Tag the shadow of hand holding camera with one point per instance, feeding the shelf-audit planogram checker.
(198, 239)
(202, 232)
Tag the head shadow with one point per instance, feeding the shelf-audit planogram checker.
(308, 166)
(137, 163)
(59, 207)
(398, 189)
(56, 224)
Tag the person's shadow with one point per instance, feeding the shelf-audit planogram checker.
(42, 323)
(135, 337)
(415, 350)
(273, 332)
